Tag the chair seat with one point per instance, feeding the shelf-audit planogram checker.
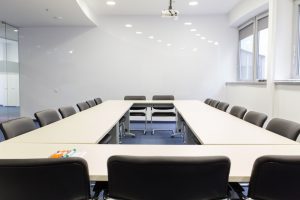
(139, 114)
(164, 114)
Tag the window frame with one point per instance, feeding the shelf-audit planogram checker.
(254, 20)
(295, 71)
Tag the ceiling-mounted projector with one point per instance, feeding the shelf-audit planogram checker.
(169, 12)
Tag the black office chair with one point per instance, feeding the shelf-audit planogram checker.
(66, 111)
(98, 101)
(47, 179)
(91, 103)
(214, 103)
(161, 178)
(163, 110)
(207, 101)
(138, 111)
(223, 106)
(83, 106)
(275, 178)
(256, 118)
(284, 128)
(46, 117)
(238, 111)
(15, 127)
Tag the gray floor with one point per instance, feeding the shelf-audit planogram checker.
(159, 138)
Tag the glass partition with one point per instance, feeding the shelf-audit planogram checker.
(9, 73)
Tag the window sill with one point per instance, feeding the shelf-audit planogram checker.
(287, 82)
(263, 83)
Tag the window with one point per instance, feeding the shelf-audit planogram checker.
(296, 71)
(253, 47)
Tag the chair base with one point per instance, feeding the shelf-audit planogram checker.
(144, 131)
(153, 131)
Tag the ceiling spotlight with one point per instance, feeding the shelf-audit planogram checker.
(16, 30)
(195, 49)
(151, 37)
(139, 32)
(110, 3)
(168, 45)
(128, 25)
(216, 43)
(58, 17)
(187, 23)
(193, 30)
(193, 3)
(203, 38)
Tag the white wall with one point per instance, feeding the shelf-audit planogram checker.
(111, 61)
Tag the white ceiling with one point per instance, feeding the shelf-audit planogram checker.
(28, 13)
(154, 7)
(32, 13)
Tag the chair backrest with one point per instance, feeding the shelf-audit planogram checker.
(135, 98)
(98, 101)
(163, 98)
(47, 179)
(66, 111)
(91, 103)
(275, 178)
(15, 127)
(223, 106)
(83, 106)
(214, 103)
(46, 117)
(285, 128)
(163, 178)
(238, 111)
(136, 107)
(207, 101)
(256, 118)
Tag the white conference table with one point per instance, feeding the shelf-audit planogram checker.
(211, 126)
(86, 127)
(214, 127)
(242, 157)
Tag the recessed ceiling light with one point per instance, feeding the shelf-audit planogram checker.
(193, 30)
(188, 23)
(151, 37)
(198, 34)
(193, 3)
(71, 52)
(216, 43)
(58, 17)
(16, 30)
(139, 32)
(128, 25)
(110, 3)
(195, 49)
(210, 41)
(168, 45)
(203, 38)
(159, 41)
